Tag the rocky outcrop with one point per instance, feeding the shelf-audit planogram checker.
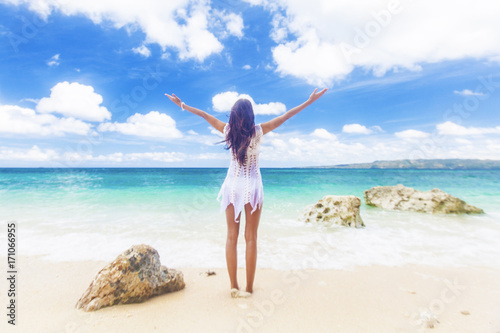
(133, 277)
(406, 198)
(343, 210)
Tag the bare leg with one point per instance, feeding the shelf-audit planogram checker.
(233, 229)
(251, 225)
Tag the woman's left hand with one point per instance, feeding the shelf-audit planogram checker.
(316, 95)
(174, 99)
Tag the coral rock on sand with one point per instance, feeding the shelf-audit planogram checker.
(343, 210)
(134, 276)
(406, 198)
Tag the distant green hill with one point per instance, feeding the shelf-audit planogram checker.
(446, 164)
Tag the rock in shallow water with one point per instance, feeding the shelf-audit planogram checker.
(406, 198)
(343, 210)
(134, 276)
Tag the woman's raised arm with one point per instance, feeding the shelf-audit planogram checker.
(278, 121)
(216, 123)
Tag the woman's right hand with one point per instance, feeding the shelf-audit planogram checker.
(174, 99)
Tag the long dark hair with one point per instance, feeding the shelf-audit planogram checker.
(241, 129)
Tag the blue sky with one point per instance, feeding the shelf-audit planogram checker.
(82, 83)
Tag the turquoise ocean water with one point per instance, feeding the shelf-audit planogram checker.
(80, 214)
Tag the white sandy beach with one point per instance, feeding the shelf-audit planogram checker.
(365, 299)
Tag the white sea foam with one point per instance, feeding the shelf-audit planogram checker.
(97, 214)
(389, 238)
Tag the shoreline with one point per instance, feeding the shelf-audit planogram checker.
(363, 299)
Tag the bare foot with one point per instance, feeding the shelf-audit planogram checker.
(244, 294)
(235, 293)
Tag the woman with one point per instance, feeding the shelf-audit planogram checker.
(242, 188)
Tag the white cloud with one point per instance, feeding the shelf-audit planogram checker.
(182, 25)
(211, 140)
(463, 141)
(54, 61)
(142, 50)
(279, 31)
(247, 67)
(310, 59)
(215, 132)
(356, 128)
(296, 149)
(210, 156)
(34, 154)
(154, 156)
(323, 134)
(199, 42)
(31, 100)
(234, 24)
(318, 148)
(272, 134)
(274, 108)
(74, 100)
(120, 158)
(223, 102)
(450, 128)
(279, 144)
(72, 158)
(152, 125)
(258, 2)
(321, 41)
(411, 134)
(467, 92)
(18, 120)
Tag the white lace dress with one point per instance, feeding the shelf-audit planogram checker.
(243, 183)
